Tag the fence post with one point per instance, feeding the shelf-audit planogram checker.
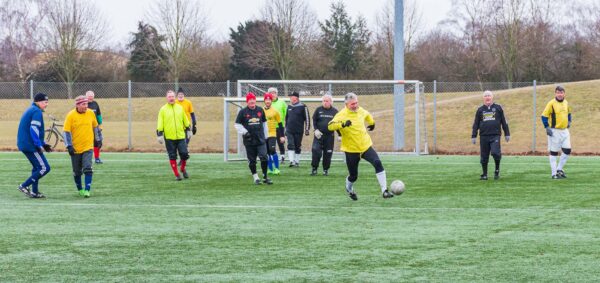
(226, 125)
(129, 116)
(534, 114)
(31, 90)
(434, 116)
(417, 121)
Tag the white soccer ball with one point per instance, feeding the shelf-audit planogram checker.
(397, 187)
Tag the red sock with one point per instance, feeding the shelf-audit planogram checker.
(174, 167)
(183, 163)
(96, 152)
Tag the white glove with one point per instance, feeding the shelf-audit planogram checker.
(189, 134)
(318, 134)
(160, 139)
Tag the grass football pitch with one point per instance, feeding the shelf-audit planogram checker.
(141, 225)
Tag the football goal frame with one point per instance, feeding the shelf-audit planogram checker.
(308, 95)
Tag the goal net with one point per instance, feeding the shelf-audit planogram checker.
(377, 97)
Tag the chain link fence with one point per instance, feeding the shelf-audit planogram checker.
(130, 109)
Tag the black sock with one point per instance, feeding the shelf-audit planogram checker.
(497, 161)
(484, 168)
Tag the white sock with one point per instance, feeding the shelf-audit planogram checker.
(382, 179)
(255, 176)
(562, 161)
(553, 164)
(349, 187)
(297, 156)
(291, 155)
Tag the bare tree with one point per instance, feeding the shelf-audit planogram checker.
(19, 28)
(384, 35)
(184, 26)
(294, 25)
(72, 28)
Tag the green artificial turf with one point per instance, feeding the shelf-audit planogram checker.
(141, 225)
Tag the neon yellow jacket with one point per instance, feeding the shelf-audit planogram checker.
(355, 137)
(172, 121)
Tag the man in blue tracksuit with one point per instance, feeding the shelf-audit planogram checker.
(30, 141)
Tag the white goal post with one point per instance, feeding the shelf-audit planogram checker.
(311, 91)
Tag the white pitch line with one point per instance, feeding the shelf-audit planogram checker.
(491, 209)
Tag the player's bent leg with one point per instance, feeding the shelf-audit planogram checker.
(372, 157)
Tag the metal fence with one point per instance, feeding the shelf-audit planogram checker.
(129, 110)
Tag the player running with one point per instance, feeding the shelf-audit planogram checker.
(357, 144)
(324, 138)
(275, 130)
(557, 121)
(281, 107)
(80, 132)
(251, 123)
(172, 129)
(30, 141)
(298, 122)
(93, 105)
(489, 119)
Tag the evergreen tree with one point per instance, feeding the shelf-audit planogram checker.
(147, 54)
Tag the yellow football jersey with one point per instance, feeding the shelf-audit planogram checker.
(81, 126)
(557, 113)
(355, 137)
(273, 120)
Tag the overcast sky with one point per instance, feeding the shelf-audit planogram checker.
(123, 16)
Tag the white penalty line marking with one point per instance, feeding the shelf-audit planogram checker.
(491, 209)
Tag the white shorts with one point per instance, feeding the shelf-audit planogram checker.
(560, 139)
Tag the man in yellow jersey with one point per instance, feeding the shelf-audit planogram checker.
(172, 128)
(80, 132)
(281, 107)
(275, 126)
(557, 121)
(189, 110)
(357, 144)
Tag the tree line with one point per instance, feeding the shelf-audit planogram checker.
(480, 40)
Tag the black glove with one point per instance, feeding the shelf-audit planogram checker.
(371, 127)
(194, 128)
(549, 132)
(348, 123)
(48, 148)
(71, 150)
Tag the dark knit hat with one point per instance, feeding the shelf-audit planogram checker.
(295, 93)
(180, 90)
(40, 97)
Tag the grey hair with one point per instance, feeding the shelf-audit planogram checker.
(350, 96)
(327, 95)
(272, 90)
(488, 93)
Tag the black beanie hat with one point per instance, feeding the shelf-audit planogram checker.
(40, 97)
(180, 90)
(295, 93)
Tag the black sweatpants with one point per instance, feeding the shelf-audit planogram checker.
(271, 145)
(294, 142)
(174, 146)
(260, 151)
(322, 147)
(352, 160)
(487, 145)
